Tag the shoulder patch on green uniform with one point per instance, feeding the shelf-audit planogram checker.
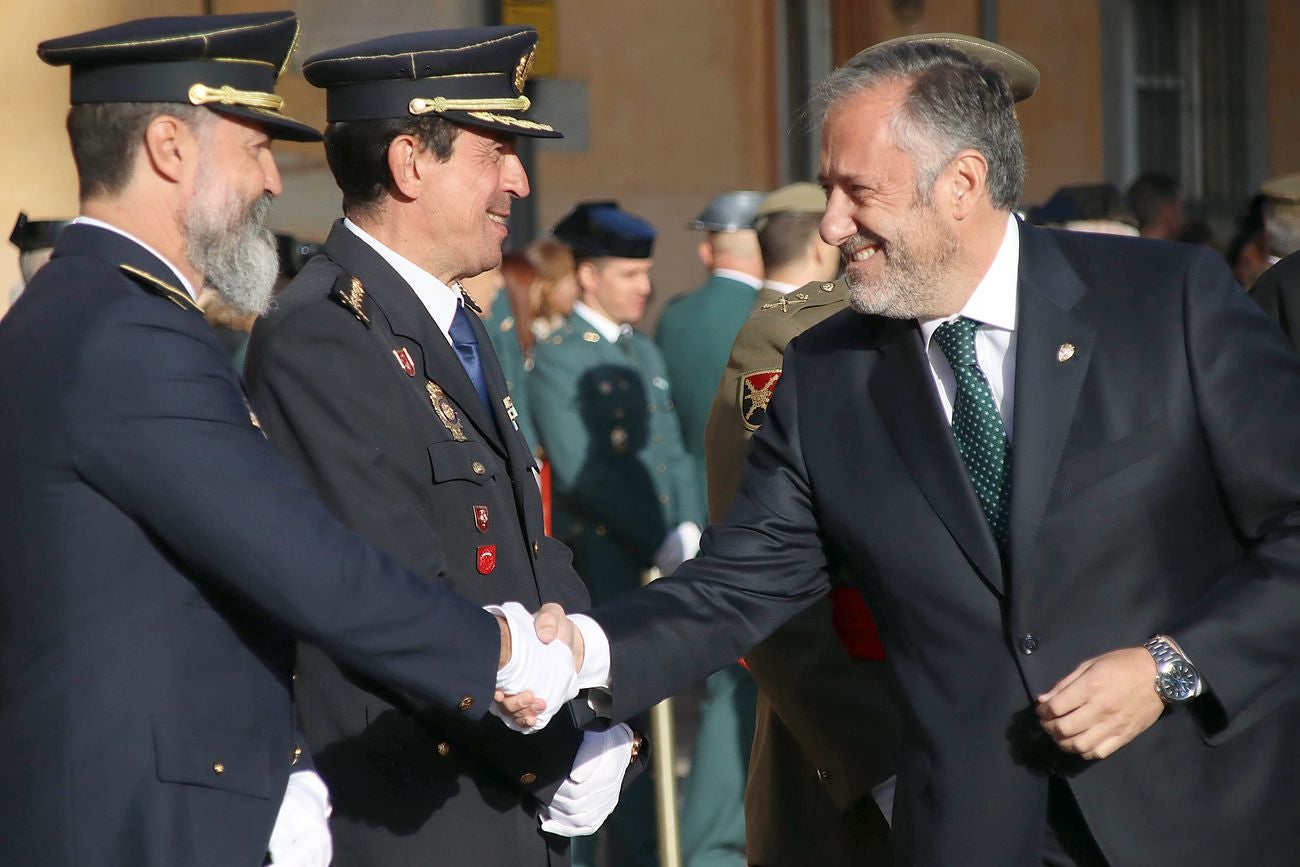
(161, 288)
(755, 394)
(349, 292)
(785, 302)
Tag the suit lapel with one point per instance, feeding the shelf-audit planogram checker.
(903, 390)
(1053, 351)
(409, 320)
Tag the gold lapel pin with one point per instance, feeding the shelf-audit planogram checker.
(1065, 352)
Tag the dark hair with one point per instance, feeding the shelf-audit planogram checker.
(106, 135)
(953, 103)
(1149, 193)
(784, 237)
(357, 152)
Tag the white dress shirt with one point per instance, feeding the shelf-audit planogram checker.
(606, 327)
(739, 276)
(437, 297)
(100, 224)
(777, 286)
(993, 304)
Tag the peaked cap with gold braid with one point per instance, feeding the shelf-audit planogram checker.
(229, 63)
(473, 76)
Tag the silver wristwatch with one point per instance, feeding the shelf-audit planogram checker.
(1177, 679)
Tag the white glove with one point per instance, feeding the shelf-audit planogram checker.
(545, 670)
(585, 800)
(301, 836)
(681, 544)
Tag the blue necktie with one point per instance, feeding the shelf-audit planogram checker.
(466, 346)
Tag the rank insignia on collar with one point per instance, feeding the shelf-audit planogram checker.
(482, 519)
(446, 411)
(403, 356)
(755, 394)
(352, 295)
(786, 301)
(511, 412)
(485, 559)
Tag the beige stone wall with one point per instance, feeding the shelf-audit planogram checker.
(676, 114)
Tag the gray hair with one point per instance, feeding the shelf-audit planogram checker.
(953, 103)
(1282, 227)
(106, 136)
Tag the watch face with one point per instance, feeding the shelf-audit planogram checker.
(1179, 682)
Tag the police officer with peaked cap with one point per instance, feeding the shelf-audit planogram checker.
(625, 491)
(159, 554)
(376, 378)
(35, 241)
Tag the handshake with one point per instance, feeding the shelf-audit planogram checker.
(537, 674)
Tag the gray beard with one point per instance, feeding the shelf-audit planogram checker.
(234, 251)
(907, 288)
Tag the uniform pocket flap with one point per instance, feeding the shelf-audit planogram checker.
(1107, 460)
(456, 461)
(216, 757)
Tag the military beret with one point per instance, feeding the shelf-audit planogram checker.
(473, 76)
(729, 212)
(602, 229)
(1285, 188)
(31, 235)
(798, 198)
(229, 63)
(1021, 75)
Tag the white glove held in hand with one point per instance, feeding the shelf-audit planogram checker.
(301, 836)
(681, 544)
(590, 794)
(545, 670)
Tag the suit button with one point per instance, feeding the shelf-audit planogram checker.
(528, 779)
(218, 768)
(444, 749)
(478, 468)
(1028, 644)
(600, 530)
(466, 703)
(663, 498)
(537, 548)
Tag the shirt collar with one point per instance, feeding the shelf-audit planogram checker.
(993, 303)
(608, 328)
(100, 224)
(438, 298)
(739, 276)
(777, 286)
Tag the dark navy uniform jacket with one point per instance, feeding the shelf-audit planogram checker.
(157, 556)
(356, 384)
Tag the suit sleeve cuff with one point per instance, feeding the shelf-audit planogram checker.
(595, 660)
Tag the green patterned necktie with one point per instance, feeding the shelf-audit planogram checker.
(977, 426)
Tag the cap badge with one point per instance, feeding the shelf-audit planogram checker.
(1065, 352)
(755, 395)
(524, 67)
(446, 411)
(404, 359)
(482, 519)
(486, 559)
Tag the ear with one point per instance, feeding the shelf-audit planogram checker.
(966, 181)
(170, 147)
(586, 275)
(705, 251)
(405, 166)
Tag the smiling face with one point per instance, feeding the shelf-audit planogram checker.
(469, 201)
(899, 250)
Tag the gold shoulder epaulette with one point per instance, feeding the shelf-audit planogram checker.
(349, 292)
(161, 288)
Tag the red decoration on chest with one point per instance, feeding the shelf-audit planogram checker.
(405, 360)
(486, 559)
(481, 518)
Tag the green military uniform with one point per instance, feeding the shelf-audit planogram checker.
(499, 320)
(622, 477)
(695, 334)
(826, 726)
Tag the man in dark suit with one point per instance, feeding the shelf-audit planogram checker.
(1277, 291)
(376, 378)
(158, 553)
(1064, 466)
